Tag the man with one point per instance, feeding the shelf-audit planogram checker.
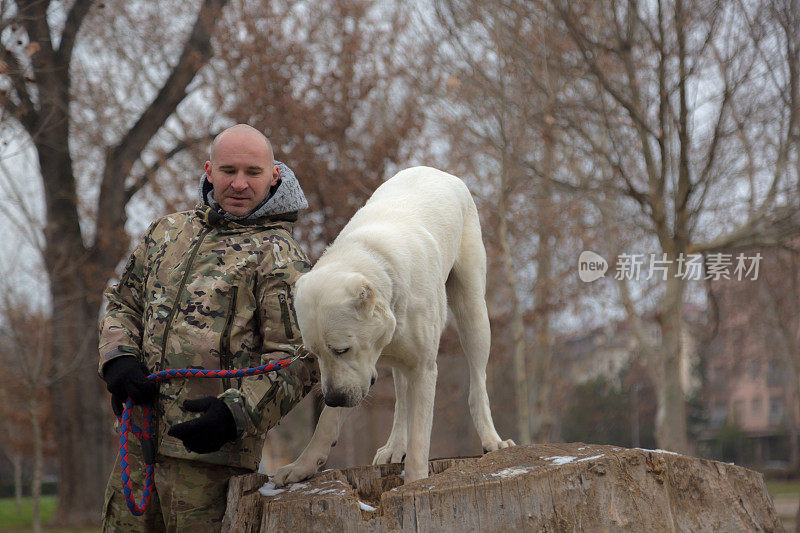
(208, 288)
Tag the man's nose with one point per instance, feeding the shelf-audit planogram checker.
(239, 181)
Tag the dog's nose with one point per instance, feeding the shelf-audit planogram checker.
(335, 399)
(372, 381)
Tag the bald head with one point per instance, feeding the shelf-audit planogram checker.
(241, 169)
(240, 132)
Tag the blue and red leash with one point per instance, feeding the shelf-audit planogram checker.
(127, 427)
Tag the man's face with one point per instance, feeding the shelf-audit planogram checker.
(242, 172)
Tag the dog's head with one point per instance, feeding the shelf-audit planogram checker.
(347, 324)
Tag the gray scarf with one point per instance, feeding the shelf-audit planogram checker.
(285, 198)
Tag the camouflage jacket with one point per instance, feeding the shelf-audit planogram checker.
(205, 292)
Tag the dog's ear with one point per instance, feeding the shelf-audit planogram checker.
(363, 294)
(365, 301)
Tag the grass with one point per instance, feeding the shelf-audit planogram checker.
(778, 487)
(11, 522)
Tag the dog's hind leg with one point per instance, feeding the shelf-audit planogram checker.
(466, 288)
(395, 449)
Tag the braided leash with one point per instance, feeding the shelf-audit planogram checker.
(127, 427)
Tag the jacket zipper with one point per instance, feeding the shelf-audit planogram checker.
(287, 324)
(174, 309)
(225, 355)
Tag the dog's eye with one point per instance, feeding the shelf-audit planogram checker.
(334, 351)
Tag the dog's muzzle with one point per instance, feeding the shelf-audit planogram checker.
(349, 397)
(336, 399)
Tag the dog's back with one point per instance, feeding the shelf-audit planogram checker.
(423, 186)
(420, 210)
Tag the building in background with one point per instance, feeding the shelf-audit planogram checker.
(750, 387)
(601, 382)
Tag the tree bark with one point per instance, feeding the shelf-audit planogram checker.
(36, 478)
(542, 350)
(16, 460)
(80, 412)
(517, 327)
(671, 426)
(557, 487)
(78, 402)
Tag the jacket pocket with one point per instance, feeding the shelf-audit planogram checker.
(285, 316)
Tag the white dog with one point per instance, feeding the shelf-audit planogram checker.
(379, 294)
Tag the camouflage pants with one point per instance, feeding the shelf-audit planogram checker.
(189, 496)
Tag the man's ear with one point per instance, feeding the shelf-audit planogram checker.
(275, 175)
(207, 168)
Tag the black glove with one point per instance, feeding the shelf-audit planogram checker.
(126, 377)
(208, 432)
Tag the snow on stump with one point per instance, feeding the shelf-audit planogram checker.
(542, 487)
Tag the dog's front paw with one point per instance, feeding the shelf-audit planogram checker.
(497, 444)
(294, 472)
(390, 453)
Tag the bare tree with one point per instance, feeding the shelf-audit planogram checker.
(672, 154)
(499, 101)
(47, 52)
(655, 112)
(10, 446)
(26, 354)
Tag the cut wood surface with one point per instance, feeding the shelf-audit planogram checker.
(541, 487)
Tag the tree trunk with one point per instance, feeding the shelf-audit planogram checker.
(671, 427)
(78, 403)
(517, 328)
(542, 350)
(76, 278)
(16, 460)
(563, 487)
(36, 478)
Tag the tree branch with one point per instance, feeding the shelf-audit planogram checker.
(763, 231)
(684, 189)
(71, 27)
(196, 53)
(24, 111)
(145, 177)
(580, 39)
(33, 17)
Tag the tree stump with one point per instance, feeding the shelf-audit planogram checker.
(553, 487)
